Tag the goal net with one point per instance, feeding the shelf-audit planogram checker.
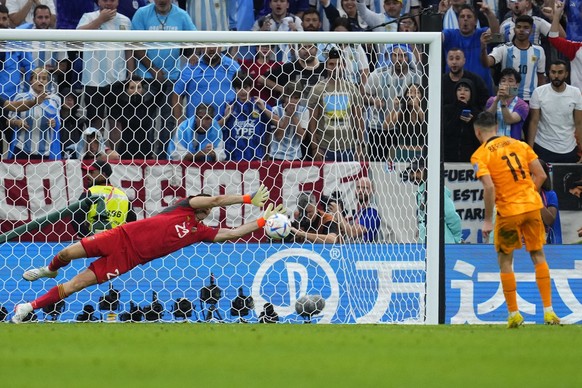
(342, 127)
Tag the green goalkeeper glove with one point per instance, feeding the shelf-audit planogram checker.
(269, 211)
(257, 198)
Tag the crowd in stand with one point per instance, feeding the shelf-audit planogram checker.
(518, 59)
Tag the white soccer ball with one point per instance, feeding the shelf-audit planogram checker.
(278, 226)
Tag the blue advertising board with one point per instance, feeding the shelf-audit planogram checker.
(474, 294)
(357, 281)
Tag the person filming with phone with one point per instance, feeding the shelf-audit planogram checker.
(511, 111)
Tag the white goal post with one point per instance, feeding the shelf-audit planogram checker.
(23, 40)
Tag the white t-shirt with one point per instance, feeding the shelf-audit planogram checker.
(104, 67)
(556, 126)
(16, 5)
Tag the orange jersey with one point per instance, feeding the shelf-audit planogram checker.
(507, 161)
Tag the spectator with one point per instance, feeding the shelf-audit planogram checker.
(93, 147)
(457, 128)
(246, 124)
(551, 210)
(296, 7)
(14, 106)
(510, 110)
(198, 138)
(408, 124)
(73, 123)
(387, 83)
(279, 20)
(312, 224)
(393, 9)
(307, 69)
(347, 9)
(109, 209)
(213, 15)
(311, 20)
(364, 224)
(337, 122)
(160, 68)
(407, 23)
(37, 130)
(456, 64)
(468, 38)
(556, 118)
(526, 58)
(131, 114)
(209, 81)
(452, 220)
(568, 48)
(291, 121)
(356, 67)
(105, 72)
(15, 66)
(21, 11)
(540, 27)
(256, 67)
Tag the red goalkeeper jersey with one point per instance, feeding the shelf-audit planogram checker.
(166, 232)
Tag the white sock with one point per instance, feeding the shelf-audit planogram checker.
(548, 309)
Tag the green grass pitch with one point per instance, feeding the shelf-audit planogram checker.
(254, 355)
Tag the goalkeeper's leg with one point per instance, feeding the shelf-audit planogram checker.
(82, 280)
(64, 257)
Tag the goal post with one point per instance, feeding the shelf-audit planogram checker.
(398, 262)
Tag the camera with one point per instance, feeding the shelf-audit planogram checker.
(512, 91)
(466, 113)
(334, 197)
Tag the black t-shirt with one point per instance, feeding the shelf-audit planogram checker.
(293, 71)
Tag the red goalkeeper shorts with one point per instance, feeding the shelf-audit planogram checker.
(116, 254)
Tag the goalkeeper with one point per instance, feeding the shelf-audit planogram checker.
(123, 248)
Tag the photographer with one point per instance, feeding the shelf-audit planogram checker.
(312, 224)
(364, 224)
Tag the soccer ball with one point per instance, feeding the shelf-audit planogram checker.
(309, 305)
(278, 226)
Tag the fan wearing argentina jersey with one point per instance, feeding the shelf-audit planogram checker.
(527, 59)
(36, 131)
(137, 243)
(541, 27)
(246, 124)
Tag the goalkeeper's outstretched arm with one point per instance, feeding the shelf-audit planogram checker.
(258, 198)
(226, 234)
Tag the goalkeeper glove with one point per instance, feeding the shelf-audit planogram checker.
(269, 211)
(257, 198)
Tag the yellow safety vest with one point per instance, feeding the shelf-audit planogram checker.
(109, 211)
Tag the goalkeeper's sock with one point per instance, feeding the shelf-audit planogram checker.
(509, 290)
(52, 296)
(544, 283)
(57, 263)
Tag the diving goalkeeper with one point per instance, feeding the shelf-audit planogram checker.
(123, 248)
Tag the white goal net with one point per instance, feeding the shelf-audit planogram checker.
(337, 125)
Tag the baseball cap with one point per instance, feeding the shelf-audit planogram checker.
(103, 167)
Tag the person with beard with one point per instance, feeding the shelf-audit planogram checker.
(456, 64)
(555, 129)
(246, 124)
(468, 38)
(109, 209)
(364, 225)
(457, 126)
(198, 138)
(312, 224)
(131, 113)
(452, 221)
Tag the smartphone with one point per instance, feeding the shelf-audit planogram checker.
(497, 37)
(466, 113)
(513, 91)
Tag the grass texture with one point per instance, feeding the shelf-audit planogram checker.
(287, 355)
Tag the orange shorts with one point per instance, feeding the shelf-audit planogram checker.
(510, 231)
